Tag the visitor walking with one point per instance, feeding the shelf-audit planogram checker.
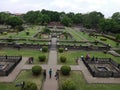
(44, 74)
(50, 72)
(57, 75)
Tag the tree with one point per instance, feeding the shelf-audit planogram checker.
(116, 17)
(4, 17)
(66, 21)
(45, 19)
(92, 19)
(33, 17)
(53, 15)
(77, 18)
(109, 25)
(14, 21)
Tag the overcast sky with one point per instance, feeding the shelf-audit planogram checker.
(107, 7)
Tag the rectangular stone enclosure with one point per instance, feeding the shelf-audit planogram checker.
(102, 67)
(8, 63)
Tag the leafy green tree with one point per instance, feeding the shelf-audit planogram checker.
(32, 17)
(14, 21)
(45, 19)
(77, 18)
(66, 21)
(92, 19)
(109, 25)
(116, 17)
(53, 15)
(4, 17)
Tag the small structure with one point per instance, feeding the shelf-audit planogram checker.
(102, 67)
(8, 63)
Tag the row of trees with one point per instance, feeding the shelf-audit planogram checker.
(93, 19)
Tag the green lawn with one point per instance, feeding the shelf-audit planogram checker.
(81, 84)
(25, 53)
(32, 31)
(72, 55)
(23, 76)
(108, 41)
(85, 35)
(74, 34)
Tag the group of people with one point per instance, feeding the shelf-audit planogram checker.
(50, 74)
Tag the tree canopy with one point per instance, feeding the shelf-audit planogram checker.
(92, 19)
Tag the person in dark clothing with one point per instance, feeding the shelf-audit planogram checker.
(57, 75)
(44, 74)
(50, 72)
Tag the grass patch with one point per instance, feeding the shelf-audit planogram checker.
(72, 55)
(81, 84)
(23, 76)
(25, 53)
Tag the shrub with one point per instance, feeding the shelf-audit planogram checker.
(61, 50)
(44, 49)
(68, 85)
(104, 51)
(63, 59)
(103, 39)
(42, 58)
(36, 70)
(27, 33)
(65, 70)
(30, 86)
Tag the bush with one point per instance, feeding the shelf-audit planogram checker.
(44, 49)
(63, 59)
(103, 39)
(65, 70)
(68, 85)
(61, 50)
(42, 58)
(30, 86)
(36, 70)
(27, 33)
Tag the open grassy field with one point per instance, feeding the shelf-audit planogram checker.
(81, 84)
(23, 76)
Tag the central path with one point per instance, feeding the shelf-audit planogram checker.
(51, 84)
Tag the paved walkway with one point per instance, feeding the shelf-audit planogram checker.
(51, 84)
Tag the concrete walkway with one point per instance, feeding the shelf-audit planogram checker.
(51, 84)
